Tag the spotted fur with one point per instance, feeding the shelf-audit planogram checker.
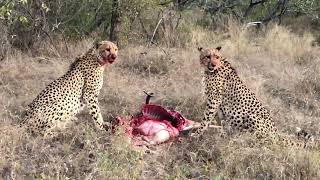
(56, 106)
(234, 102)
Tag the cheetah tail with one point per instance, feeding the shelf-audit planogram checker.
(290, 141)
(303, 134)
(310, 141)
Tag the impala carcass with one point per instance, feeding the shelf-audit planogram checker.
(155, 124)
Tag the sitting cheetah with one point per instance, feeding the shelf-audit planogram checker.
(56, 106)
(229, 98)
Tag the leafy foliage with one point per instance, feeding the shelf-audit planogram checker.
(31, 21)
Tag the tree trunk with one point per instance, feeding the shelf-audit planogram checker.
(4, 43)
(115, 22)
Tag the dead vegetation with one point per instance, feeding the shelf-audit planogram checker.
(281, 67)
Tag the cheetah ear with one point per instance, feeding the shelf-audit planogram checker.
(96, 44)
(218, 48)
(200, 49)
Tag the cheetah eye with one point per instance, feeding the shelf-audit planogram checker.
(108, 49)
(208, 56)
(217, 57)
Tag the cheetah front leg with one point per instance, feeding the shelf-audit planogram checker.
(82, 104)
(212, 108)
(91, 100)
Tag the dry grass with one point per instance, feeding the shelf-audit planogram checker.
(280, 67)
(284, 45)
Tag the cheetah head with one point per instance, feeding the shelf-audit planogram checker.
(107, 52)
(210, 58)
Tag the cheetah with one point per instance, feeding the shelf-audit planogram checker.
(56, 106)
(229, 98)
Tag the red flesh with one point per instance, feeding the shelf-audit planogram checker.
(155, 125)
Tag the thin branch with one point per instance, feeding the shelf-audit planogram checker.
(143, 26)
(166, 3)
(42, 30)
(251, 6)
(178, 20)
(64, 39)
(156, 28)
(51, 41)
(273, 13)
